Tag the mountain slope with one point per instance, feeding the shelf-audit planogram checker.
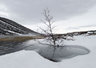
(9, 27)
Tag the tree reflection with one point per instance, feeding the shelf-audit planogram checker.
(58, 53)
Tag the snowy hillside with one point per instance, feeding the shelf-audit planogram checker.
(30, 59)
(9, 27)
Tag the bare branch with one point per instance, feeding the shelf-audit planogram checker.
(48, 21)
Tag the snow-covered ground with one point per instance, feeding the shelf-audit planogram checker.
(31, 59)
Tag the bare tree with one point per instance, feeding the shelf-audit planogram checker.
(52, 39)
(49, 23)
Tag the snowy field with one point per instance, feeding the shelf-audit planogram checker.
(31, 59)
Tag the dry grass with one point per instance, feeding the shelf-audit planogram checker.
(20, 38)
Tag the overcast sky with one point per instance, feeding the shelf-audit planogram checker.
(69, 15)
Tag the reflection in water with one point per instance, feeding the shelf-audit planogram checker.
(57, 54)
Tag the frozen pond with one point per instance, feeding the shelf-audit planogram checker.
(31, 59)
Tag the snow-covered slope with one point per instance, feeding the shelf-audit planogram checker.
(31, 59)
(9, 27)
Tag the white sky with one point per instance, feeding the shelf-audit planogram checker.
(82, 22)
(69, 15)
